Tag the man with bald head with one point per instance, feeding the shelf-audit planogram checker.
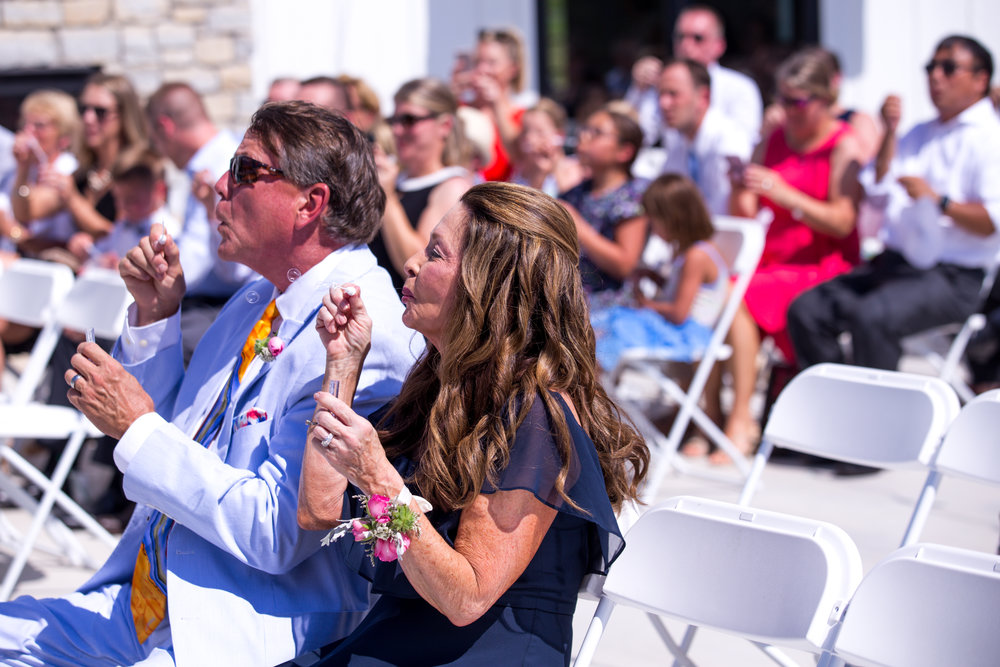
(182, 131)
(700, 36)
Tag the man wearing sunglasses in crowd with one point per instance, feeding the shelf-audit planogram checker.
(938, 187)
(700, 36)
(213, 568)
(181, 130)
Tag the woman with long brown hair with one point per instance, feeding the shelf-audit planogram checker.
(503, 426)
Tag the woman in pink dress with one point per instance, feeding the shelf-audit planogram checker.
(806, 173)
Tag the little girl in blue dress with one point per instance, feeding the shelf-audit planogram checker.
(680, 316)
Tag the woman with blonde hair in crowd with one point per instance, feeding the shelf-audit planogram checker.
(50, 131)
(113, 123)
(502, 426)
(49, 135)
(539, 159)
(428, 175)
(493, 86)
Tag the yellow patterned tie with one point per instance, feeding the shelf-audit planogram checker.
(260, 330)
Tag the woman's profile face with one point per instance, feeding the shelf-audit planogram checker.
(421, 137)
(804, 112)
(99, 112)
(43, 128)
(432, 278)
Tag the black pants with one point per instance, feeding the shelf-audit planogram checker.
(879, 304)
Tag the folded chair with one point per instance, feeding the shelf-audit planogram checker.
(741, 242)
(943, 348)
(925, 605)
(97, 300)
(883, 419)
(969, 450)
(772, 578)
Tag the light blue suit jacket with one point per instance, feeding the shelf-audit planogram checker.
(245, 585)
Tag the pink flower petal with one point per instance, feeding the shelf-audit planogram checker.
(379, 505)
(384, 550)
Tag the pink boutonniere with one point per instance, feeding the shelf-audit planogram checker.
(268, 348)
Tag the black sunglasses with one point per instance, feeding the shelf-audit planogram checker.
(696, 36)
(948, 66)
(408, 120)
(245, 170)
(794, 102)
(100, 112)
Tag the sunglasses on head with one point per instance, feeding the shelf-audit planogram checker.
(245, 170)
(794, 102)
(100, 112)
(948, 66)
(408, 120)
(697, 37)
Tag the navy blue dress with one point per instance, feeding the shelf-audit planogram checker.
(531, 624)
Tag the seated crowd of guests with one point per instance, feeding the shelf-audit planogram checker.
(523, 271)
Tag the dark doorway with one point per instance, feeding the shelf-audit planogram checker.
(16, 84)
(587, 47)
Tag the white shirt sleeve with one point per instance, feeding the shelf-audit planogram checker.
(139, 344)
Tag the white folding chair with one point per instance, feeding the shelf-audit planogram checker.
(969, 450)
(741, 242)
(925, 605)
(98, 300)
(943, 348)
(772, 578)
(30, 290)
(884, 419)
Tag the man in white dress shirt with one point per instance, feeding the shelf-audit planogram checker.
(939, 187)
(181, 129)
(699, 35)
(213, 568)
(701, 142)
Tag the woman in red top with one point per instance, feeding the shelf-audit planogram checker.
(493, 86)
(806, 174)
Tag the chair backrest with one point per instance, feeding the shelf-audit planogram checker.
(30, 292)
(970, 446)
(925, 605)
(762, 575)
(98, 300)
(30, 289)
(741, 240)
(885, 419)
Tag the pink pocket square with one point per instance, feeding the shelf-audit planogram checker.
(251, 416)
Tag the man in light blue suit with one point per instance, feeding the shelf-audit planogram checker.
(212, 569)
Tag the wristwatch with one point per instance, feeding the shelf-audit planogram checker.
(16, 233)
(23, 191)
(943, 203)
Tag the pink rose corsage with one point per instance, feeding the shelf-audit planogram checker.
(385, 529)
(268, 348)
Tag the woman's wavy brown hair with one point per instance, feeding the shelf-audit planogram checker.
(520, 328)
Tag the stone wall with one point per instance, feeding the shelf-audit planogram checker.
(204, 43)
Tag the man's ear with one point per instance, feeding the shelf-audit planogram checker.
(313, 203)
